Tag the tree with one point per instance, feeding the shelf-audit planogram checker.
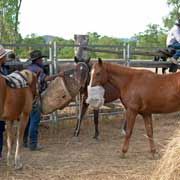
(9, 20)
(32, 39)
(153, 37)
(174, 13)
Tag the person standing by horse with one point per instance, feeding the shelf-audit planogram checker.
(31, 133)
(4, 71)
(173, 41)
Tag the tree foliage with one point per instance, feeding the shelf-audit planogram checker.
(174, 13)
(153, 36)
(9, 20)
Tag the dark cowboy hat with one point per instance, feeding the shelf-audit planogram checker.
(36, 54)
(178, 22)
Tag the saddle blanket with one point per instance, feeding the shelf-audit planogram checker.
(16, 80)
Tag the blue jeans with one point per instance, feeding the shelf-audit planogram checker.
(177, 47)
(2, 129)
(31, 131)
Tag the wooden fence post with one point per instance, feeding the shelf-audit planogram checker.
(81, 41)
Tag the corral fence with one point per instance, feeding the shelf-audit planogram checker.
(125, 52)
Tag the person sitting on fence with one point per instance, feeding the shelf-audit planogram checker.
(31, 132)
(4, 71)
(173, 41)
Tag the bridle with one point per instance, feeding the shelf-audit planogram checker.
(87, 70)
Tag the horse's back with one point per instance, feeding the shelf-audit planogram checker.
(156, 93)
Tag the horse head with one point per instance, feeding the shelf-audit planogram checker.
(82, 71)
(99, 75)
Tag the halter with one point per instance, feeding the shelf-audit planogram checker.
(87, 69)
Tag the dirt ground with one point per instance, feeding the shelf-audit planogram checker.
(65, 157)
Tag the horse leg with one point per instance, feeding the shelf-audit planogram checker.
(123, 127)
(156, 70)
(9, 126)
(22, 125)
(83, 109)
(164, 70)
(149, 130)
(130, 117)
(96, 122)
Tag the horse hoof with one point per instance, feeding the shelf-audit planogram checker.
(155, 156)
(122, 156)
(10, 163)
(75, 139)
(95, 137)
(75, 134)
(122, 133)
(19, 166)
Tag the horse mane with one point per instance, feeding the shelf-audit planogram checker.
(120, 69)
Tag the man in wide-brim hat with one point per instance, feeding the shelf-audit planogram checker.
(35, 55)
(173, 41)
(31, 133)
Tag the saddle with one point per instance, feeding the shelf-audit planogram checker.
(15, 80)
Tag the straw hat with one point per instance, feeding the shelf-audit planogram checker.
(3, 52)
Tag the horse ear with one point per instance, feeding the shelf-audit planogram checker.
(100, 61)
(76, 59)
(88, 60)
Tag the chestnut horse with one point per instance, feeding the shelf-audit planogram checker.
(16, 104)
(141, 92)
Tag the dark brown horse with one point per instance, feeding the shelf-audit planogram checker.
(141, 92)
(16, 104)
(83, 69)
(76, 79)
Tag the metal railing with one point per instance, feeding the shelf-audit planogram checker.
(53, 62)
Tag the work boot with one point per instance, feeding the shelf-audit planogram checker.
(173, 68)
(37, 147)
(1, 157)
(174, 61)
(25, 144)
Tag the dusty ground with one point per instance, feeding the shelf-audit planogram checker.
(66, 158)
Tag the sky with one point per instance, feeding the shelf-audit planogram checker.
(114, 18)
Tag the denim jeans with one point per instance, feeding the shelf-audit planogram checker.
(2, 129)
(31, 131)
(177, 47)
